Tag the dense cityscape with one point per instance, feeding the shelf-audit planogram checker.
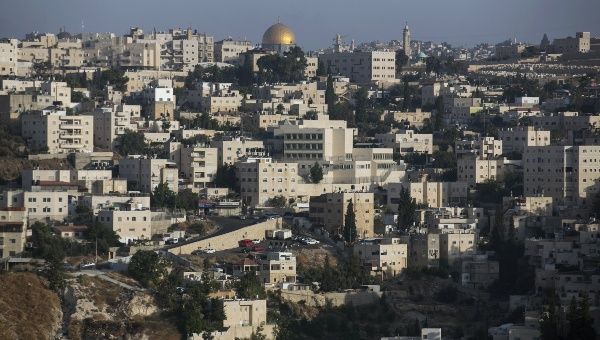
(170, 185)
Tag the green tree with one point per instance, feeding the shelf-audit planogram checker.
(321, 70)
(361, 100)
(280, 108)
(187, 199)
(250, 287)
(581, 324)
(401, 60)
(350, 232)
(226, 177)
(277, 201)
(549, 321)
(163, 197)
(105, 237)
(407, 207)
(132, 143)
(330, 96)
(148, 267)
(316, 173)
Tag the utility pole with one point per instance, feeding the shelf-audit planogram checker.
(96, 250)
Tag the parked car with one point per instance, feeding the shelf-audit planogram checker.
(256, 241)
(258, 249)
(246, 243)
(209, 251)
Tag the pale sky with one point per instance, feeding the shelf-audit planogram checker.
(315, 22)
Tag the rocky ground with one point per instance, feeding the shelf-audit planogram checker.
(98, 308)
(28, 310)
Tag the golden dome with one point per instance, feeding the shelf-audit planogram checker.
(278, 34)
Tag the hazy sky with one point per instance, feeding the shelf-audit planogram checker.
(315, 22)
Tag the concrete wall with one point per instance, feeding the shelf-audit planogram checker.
(229, 240)
(337, 299)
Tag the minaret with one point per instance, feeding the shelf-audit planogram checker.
(406, 41)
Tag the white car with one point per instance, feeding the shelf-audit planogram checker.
(209, 251)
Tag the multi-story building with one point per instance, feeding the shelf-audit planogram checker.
(130, 225)
(457, 246)
(261, 180)
(276, 268)
(229, 50)
(198, 164)
(569, 46)
(160, 102)
(329, 211)
(323, 141)
(568, 174)
(111, 122)
(565, 121)
(517, 139)
(474, 169)
(146, 174)
(53, 131)
(362, 67)
(407, 141)
(13, 231)
(484, 147)
(383, 257)
(231, 149)
(415, 119)
(424, 250)
(9, 52)
(433, 194)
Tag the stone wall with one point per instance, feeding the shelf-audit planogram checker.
(356, 298)
(229, 240)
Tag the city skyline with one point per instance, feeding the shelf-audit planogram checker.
(363, 22)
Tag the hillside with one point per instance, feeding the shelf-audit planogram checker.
(28, 310)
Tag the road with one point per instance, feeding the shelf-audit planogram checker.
(225, 224)
(102, 275)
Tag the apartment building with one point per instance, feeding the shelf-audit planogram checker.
(457, 246)
(243, 318)
(424, 250)
(231, 149)
(160, 102)
(229, 50)
(517, 139)
(261, 180)
(13, 231)
(568, 174)
(433, 194)
(362, 67)
(484, 147)
(414, 120)
(384, 258)
(222, 101)
(112, 122)
(53, 131)
(146, 174)
(198, 164)
(329, 211)
(309, 141)
(474, 170)
(565, 121)
(276, 268)
(129, 225)
(573, 45)
(9, 52)
(407, 141)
